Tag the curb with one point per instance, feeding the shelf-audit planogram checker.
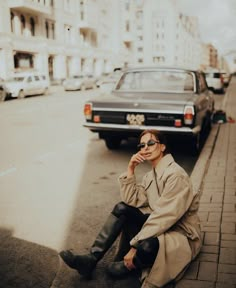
(201, 166)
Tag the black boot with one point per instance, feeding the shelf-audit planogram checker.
(119, 270)
(85, 264)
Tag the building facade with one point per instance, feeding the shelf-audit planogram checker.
(59, 38)
(72, 37)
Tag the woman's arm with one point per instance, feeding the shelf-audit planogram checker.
(172, 205)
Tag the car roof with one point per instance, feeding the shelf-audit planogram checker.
(148, 68)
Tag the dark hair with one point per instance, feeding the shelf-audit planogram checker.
(158, 135)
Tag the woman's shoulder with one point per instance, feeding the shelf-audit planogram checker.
(176, 170)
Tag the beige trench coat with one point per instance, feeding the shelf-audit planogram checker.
(166, 193)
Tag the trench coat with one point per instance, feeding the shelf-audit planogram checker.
(166, 193)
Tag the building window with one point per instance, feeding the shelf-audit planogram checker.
(140, 60)
(127, 26)
(139, 15)
(53, 31)
(68, 33)
(32, 26)
(47, 29)
(22, 20)
(127, 5)
(12, 22)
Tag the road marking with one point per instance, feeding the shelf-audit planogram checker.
(7, 171)
(45, 156)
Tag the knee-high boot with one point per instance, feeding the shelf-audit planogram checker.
(85, 264)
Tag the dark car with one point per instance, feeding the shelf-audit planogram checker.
(173, 100)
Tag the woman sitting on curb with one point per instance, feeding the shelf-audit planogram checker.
(157, 220)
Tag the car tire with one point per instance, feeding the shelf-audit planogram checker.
(45, 92)
(112, 143)
(196, 144)
(21, 95)
(2, 95)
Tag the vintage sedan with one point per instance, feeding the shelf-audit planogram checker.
(173, 100)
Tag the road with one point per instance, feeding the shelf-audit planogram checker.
(58, 181)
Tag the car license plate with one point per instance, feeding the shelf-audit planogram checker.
(135, 119)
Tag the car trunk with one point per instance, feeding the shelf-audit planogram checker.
(140, 108)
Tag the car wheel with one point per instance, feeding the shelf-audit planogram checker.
(112, 143)
(45, 91)
(196, 144)
(2, 95)
(21, 95)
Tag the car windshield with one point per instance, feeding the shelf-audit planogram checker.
(157, 81)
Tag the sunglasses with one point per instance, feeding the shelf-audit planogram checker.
(149, 143)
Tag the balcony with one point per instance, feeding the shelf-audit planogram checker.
(31, 6)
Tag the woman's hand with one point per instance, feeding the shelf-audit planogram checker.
(128, 259)
(134, 161)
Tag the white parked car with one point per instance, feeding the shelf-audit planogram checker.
(4, 93)
(26, 84)
(79, 83)
(215, 81)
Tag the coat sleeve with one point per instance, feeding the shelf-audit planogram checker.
(131, 193)
(175, 200)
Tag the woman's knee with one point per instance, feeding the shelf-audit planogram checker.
(147, 250)
(120, 209)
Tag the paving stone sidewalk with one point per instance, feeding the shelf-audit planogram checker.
(216, 265)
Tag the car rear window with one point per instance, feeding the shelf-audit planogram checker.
(158, 81)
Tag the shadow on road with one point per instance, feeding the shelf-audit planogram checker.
(24, 264)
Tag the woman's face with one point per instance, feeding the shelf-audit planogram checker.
(151, 148)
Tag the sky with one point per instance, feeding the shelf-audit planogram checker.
(217, 21)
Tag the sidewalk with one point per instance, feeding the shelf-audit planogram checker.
(215, 267)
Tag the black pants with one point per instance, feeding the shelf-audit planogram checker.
(134, 219)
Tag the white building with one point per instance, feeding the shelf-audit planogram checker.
(60, 38)
(164, 36)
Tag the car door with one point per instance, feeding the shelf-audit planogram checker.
(28, 85)
(38, 85)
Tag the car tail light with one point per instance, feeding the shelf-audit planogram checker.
(178, 123)
(96, 118)
(188, 115)
(88, 111)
